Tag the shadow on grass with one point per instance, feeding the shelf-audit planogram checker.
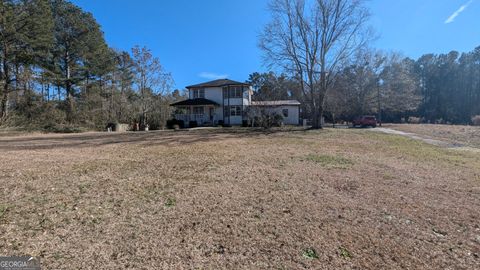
(168, 137)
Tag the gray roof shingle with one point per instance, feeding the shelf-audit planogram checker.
(217, 83)
(195, 102)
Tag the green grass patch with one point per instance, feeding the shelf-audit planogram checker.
(170, 202)
(330, 161)
(3, 211)
(310, 253)
(420, 151)
(344, 253)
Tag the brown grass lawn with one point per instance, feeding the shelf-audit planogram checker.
(332, 199)
(462, 135)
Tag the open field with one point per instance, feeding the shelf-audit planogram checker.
(459, 135)
(331, 199)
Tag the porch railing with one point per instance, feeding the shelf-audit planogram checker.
(201, 119)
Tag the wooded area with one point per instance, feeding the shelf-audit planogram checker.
(324, 49)
(59, 74)
(441, 88)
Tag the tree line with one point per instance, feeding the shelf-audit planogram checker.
(322, 49)
(443, 88)
(57, 72)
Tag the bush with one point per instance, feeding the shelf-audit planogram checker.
(268, 120)
(64, 128)
(245, 123)
(174, 122)
(192, 124)
(414, 120)
(476, 120)
(46, 117)
(277, 120)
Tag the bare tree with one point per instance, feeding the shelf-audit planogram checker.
(311, 39)
(357, 85)
(150, 78)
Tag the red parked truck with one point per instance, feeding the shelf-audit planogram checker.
(365, 121)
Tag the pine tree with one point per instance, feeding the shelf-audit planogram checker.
(25, 39)
(79, 42)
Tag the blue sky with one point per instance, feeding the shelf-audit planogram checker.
(201, 40)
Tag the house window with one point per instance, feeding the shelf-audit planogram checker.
(198, 110)
(236, 92)
(198, 93)
(233, 92)
(285, 112)
(235, 110)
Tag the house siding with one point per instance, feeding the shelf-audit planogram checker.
(216, 94)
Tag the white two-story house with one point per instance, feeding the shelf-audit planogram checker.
(227, 102)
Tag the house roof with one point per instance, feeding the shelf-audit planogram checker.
(195, 102)
(276, 103)
(217, 83)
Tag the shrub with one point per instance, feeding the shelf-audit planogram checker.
(439, 121)
(64, 128)
(267, 120)
(174, 122)
(414, 120)
(277, 120)
(476, 120)
(192, 124)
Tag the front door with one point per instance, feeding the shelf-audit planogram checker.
(211, 113)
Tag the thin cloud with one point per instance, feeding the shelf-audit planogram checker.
(458, 12)
(212, 76)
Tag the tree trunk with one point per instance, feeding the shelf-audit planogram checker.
(316, 120)
(6, 86)
(68, 89)
(3, 103)
(69, 101)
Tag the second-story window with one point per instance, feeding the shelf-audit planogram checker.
(232, 92)
(198, 93)
(236, 92)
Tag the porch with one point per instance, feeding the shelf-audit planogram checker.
(199, 119)
(197, 112)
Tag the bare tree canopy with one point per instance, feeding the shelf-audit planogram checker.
(311, 40)
(150, 78)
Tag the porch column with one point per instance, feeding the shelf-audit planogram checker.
(190, 113)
